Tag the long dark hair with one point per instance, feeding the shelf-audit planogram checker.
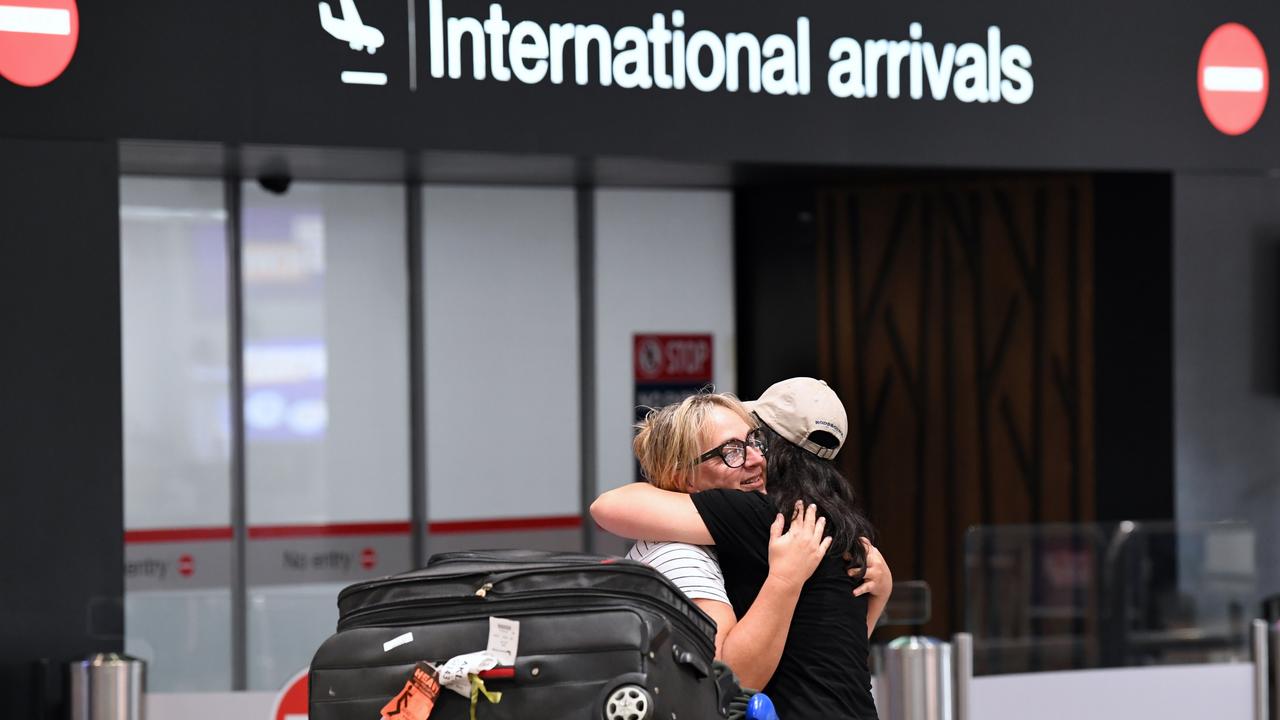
(794, 473)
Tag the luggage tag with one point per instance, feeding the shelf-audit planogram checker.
(464, 674)
(461, 674)
(455, 673)
(504, 637)
(418, 698)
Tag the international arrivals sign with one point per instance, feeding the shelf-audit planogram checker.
(997, 84)
(674, 53)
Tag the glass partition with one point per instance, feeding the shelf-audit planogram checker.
(503, 373)
(177, 476)
(1061, 597)
(323, 333)
(326, 409)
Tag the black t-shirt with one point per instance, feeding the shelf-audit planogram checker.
(823, 672)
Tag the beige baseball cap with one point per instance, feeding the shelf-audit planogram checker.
(798, 407)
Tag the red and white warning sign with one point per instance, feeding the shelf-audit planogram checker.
(186, 565)
(672, 358)
(1233, 79)
(37, 39)
(291, 703)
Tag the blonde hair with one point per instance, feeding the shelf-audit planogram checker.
(669, 439)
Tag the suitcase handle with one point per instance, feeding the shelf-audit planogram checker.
(687, 657)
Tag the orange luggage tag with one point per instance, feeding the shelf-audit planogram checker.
(418, 698)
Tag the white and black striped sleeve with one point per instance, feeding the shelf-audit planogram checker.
(692, 568)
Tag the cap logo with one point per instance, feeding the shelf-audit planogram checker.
(836, 428)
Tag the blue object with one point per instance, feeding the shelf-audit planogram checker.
(760, 707)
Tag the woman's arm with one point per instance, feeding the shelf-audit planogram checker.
(754, 645)
(877, 579)
(726, 621)
(640, 511)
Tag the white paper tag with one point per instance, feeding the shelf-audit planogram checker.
(504, 637)
(453, 674)
(396, 642)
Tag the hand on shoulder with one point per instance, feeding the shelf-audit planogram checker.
(877, 579)
(795, 554)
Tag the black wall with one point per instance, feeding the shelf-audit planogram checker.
(61, 512)
(776, 276)
(1133, 346)
(1114, 86)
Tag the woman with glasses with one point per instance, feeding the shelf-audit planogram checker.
(698, 456)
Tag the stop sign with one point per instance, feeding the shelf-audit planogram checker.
(37, 39)
(1233, 79)
(291, 703)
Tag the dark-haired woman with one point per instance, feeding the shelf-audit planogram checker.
(823, 671)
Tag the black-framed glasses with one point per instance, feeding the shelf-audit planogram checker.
(734, 452)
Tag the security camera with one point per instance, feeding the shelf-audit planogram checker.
(275, 183)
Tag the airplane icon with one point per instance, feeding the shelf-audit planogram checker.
(350, 28)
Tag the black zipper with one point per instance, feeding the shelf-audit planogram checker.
(482, 589)
(485, 594)
(398, 580)
(401, 579)
(514, 611)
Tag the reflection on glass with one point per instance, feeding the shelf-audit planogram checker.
(285, 360)
(176, 432)
(1058, 597)
(326, 409)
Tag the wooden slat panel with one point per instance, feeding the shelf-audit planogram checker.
(956, 323)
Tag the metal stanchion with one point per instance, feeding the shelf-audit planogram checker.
(917, 680)
(1261, 674)
(962, 662)
(924, 678)
(108, 686)
(1274, 657)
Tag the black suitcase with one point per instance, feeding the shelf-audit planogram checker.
(600, 639)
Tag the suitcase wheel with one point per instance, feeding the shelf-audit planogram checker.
(629, 702)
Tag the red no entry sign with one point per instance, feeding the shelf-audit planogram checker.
(1233, 79)
(37, 39)
(291, 703)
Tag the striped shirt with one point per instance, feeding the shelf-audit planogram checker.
(693, 568)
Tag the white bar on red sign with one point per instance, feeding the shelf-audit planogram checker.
(355, 77)
(1226, 78)
(39, 21)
